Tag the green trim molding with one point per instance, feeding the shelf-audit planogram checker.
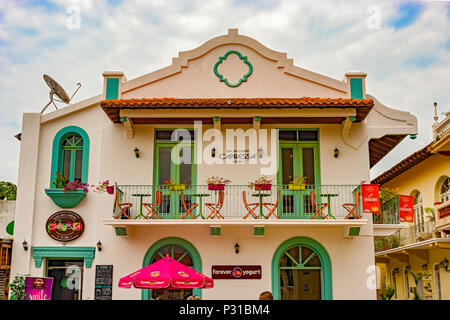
(87, 253)
(356, 88)
(112, 88)
(327, 289)
(67, 199)
(244, 59)
(145, 295)
(57, 152)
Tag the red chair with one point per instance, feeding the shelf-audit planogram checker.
(123, 207)
(351, 207)
(318, 207)
(216, 207)
(251, 207)
(189, 207)
(153, 208)
(272, 207)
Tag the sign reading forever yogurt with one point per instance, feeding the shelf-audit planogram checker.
(236, 272)
(65, 226)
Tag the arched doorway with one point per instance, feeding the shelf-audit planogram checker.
(301, 270)
(180, 250)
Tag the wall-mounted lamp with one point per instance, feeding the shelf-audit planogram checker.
(236, 248)
(425, 266)
(99, 246)
(136, 152)
(408, 267)
(445, 264)
(336, 152)
(25, 245)
(213, 152)
(395, 270)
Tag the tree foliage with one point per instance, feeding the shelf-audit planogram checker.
(8, 190)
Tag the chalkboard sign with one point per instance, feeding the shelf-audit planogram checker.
(103, 282)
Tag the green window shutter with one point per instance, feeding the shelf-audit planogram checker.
(112, 88)
(356, 88)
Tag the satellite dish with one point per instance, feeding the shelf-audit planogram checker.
(56, 89)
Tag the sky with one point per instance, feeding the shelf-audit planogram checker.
(404, 47)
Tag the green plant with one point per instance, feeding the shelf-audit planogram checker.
(387, 194)
(430, 214)
(217, 180)
(299, 180)
(17, 287)
(387, 294)
(417, 279)
(60, 181)
(8, 190)
(395, 241)
(261, 180)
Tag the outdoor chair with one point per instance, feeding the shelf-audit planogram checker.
(153, 208)
(318, 207)
(272, 207)
(351, 208)
(216, 207)
(123, 207)
(189, 207)
(251, 207)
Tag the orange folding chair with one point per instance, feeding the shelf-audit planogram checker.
(272, 207)
(318, 207)
(351, 207)
(216, 207)
(153, 208)
(251, 207)
(122, 207)
(189, 207)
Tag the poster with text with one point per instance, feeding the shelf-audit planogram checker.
(371, 198)
(406, 204)
(38, 288)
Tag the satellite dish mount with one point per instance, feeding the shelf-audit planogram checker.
(55, 88)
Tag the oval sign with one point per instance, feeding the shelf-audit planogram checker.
(65, 226)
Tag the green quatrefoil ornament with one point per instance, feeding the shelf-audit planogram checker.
(244, 59)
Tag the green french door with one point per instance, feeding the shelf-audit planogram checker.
(166, 167)
(297, 159)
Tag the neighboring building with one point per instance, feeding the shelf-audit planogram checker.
(6, 227)
(330, 131)
(422, 246)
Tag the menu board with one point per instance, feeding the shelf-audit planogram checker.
(103, 282)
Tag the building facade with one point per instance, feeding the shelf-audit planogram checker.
(231, 108)
(423, 245)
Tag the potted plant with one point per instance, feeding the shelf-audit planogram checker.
(387, 294)
(262, 183)
(298, 183)
(67, 194)
(216, 183)
(103, 187)
(17, 287)
(173, 185)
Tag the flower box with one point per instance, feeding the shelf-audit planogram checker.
(67, 199)
(293, 186)
(220, 186)
(177, 187)
(260, 187)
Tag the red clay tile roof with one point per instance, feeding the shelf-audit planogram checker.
(403, 165)
(112, 107)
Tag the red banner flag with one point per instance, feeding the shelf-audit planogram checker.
(371, 198)
(406, 205)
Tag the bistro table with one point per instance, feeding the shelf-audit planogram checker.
(140, 195)
(329, 195)
(200, 200)
(261, 196)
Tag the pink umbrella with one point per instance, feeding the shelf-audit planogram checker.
(166, 273)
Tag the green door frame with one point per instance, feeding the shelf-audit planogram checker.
(298, 196)
(175, 210)
(189, 247)
(326, 276)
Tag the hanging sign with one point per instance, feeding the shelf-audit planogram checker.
(406, 204)
(236, 272)
(65, 226)
(38, 288)
(371, 198)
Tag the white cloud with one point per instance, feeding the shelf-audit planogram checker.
(407, 68)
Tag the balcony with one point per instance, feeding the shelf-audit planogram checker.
(443, 213)
(294, 207)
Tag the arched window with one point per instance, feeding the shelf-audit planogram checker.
(444, 191)
(180, 250)
(70, 156)
(418, 211)
(301, 270)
